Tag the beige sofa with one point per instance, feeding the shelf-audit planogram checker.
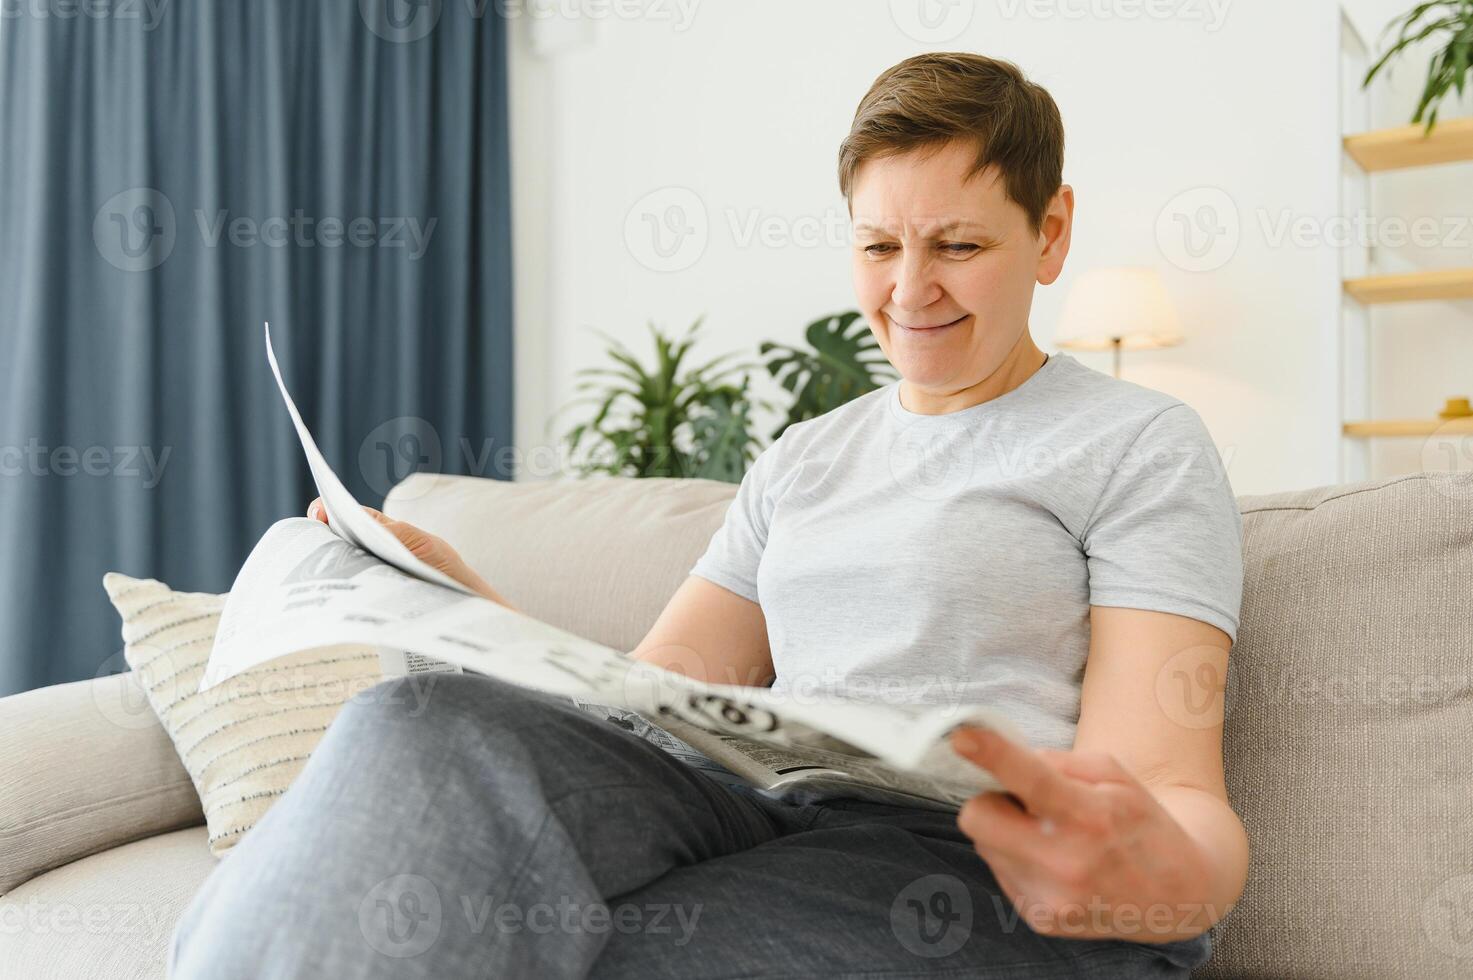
(1350, 726)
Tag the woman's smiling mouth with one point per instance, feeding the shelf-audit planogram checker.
(929, 329)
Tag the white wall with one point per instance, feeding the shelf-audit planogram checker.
(736, 115)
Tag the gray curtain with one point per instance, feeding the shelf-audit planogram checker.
(171, 175)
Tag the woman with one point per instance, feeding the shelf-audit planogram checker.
(999, 526)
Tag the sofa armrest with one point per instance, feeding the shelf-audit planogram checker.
(84, 767)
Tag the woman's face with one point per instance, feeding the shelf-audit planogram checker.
(944, 266)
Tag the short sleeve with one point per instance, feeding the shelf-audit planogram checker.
(1166, 534)
(735, 550)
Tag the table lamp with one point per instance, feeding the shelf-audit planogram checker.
(1118, 309)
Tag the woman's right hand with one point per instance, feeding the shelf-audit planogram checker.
(428, 548)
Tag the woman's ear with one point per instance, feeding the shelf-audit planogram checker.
(1058, 225)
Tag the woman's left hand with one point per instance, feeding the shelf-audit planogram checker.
(1081, 847)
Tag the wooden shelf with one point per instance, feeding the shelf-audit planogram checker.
(1398, 149)
(1443, 284)
(1410, 427)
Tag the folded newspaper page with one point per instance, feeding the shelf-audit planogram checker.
(308, 585)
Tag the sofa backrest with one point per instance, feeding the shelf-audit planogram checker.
(598, 557)
(1349, 745)
(1349, 702)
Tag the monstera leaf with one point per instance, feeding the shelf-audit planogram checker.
(844, 363)
(722, 435)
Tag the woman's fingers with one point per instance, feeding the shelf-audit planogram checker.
(316, 511)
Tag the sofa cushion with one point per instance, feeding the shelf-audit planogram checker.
(84, 767)
(105, 917)
(1349, 716)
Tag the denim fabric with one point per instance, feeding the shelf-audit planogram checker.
(455, 826)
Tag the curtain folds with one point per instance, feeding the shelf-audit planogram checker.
(168, 181)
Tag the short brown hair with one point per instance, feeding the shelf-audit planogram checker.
(933, 99)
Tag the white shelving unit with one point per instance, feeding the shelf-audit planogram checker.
(1368, 152)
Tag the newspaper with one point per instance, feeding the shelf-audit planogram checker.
(307, 585)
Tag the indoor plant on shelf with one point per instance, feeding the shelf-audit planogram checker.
(1451, 23)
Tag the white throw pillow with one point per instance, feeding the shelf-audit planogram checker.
(245, 740)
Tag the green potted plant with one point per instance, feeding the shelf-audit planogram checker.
(670, 421)
(1451, 23)
(844, 361)
(667, 420)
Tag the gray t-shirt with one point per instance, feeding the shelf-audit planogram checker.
(954, 558)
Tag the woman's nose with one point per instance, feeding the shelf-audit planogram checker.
(915, 284)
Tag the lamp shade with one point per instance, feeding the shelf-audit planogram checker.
(1118, 308)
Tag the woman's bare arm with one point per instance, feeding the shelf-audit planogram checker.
(710, 634)
(704, 631)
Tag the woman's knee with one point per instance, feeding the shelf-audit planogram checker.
(436, 703)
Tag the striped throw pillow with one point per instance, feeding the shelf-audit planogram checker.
(245, 740)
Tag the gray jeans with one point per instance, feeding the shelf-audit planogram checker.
(455, 826)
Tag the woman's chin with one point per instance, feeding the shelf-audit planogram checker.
(924, 373)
